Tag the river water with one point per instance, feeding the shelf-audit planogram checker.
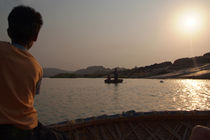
(67, 99)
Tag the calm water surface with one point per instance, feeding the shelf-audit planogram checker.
(68, 99)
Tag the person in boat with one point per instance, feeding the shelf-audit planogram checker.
(115, 74)
(21, 75)
(200, 133)
(108, 77)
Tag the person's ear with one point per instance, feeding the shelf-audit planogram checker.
(35, 36)
(9, 32)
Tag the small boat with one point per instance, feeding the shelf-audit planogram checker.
(113, 81)
(163, 125)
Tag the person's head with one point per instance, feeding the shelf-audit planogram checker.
(24, 25)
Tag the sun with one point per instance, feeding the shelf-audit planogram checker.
(190, 22)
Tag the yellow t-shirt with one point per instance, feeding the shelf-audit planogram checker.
(19, 75)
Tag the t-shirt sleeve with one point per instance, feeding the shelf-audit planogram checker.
(38, 85)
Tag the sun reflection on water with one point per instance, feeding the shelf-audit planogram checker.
(193, 94)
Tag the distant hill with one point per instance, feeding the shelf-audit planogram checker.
(89, 72)
(199, 72)
(191, 62)
(48, 72)
(195, 67)
(93, 70)
(146, 71)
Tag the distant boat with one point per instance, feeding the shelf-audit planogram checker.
(113, 81)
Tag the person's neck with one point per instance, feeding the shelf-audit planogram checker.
(20, 43)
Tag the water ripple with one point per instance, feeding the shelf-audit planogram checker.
(67, 99)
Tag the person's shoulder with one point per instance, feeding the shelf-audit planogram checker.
(34, 61)
(4, 48)
(4, 44)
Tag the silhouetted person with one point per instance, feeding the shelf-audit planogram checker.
(20, 78)
(115, 74)
(200, 133)
(108, 77)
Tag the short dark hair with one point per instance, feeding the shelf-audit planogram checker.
(24, 22)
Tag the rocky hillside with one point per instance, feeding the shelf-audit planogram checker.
(48, 72)
(199, 72)
(93, 70)
(195, 67)
(147, 71)
(89, 72)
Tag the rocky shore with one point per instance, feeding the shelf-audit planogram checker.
(193, 68)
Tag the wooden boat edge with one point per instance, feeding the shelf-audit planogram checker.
(131, 116)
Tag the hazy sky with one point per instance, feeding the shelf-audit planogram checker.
(125, 33)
